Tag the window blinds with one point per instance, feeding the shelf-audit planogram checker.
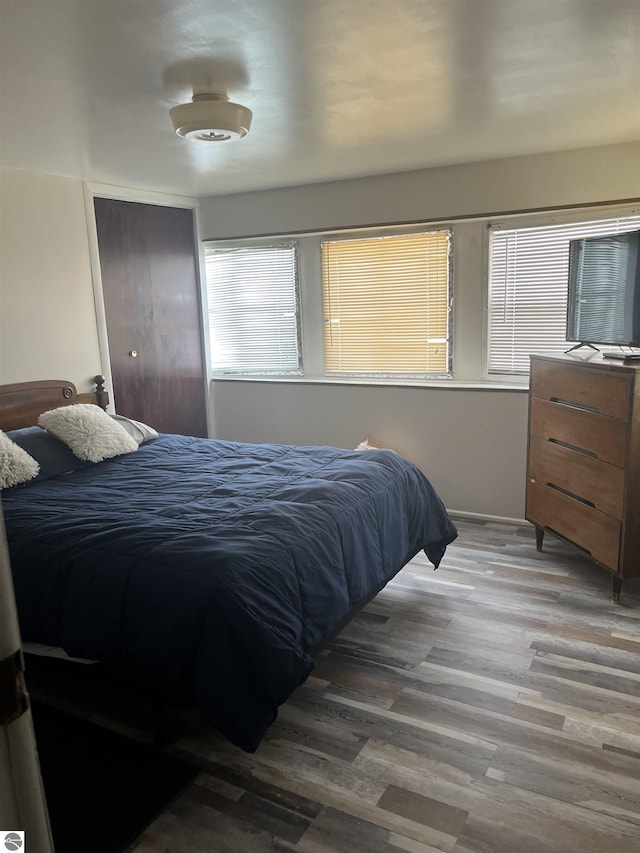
(253, 309)
(386, 304)
(528, 280)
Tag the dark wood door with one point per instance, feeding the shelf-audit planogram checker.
(152, 304)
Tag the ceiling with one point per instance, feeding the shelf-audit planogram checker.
(338, 88)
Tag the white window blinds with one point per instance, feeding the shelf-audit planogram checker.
(386, 305)
(528, 280)
(253, 309)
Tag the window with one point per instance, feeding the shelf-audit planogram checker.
(528, 280)
(386, 305)
(253, 309)
(376, 304)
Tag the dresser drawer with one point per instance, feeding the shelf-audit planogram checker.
(600, 483)
(595, 532)
(602, 391)
(603, 436)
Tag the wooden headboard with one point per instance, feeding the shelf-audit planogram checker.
(22, 402)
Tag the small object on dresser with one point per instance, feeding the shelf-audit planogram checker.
(622, 356)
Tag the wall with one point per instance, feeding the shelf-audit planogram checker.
(517, 183)
(471, 443)
(47, 316)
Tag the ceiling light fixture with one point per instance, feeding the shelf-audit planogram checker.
(211, 117)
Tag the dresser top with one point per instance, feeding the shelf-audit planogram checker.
(591, 359)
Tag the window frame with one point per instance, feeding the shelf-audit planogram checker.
(358, 234)
(265, 243)
(566, 216)
(469, 260)
(310, 307)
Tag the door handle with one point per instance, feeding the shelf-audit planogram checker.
(133, 353)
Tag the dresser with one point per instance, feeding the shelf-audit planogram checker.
(583, 466)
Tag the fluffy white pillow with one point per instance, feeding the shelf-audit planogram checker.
(16, 466)
(137, 430)
(91, 433)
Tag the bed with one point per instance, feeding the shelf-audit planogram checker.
(219, 569)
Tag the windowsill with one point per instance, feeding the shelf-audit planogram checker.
(440, 384)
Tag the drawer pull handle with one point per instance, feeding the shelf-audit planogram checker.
(571, 495)
(571, 405)
(573, 447)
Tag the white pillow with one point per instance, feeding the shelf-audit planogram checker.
(138, 431)
(89, 431)
(16, 466)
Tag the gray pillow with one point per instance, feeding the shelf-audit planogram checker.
(137, 430)
(53, 455)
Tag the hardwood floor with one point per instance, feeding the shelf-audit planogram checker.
(489, 707)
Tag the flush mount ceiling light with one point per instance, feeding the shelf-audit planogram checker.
(211, 117)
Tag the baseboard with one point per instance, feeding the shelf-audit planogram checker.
(500, 519)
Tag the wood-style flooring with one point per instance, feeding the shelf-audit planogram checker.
(489, 707)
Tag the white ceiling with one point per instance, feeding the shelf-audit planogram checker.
(338, 88)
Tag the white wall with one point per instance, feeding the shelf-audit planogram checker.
(518, 183)
(471, 443)
(47, 316)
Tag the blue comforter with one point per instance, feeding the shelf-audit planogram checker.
(215, 566)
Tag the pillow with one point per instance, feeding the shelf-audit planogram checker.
(91, 433)
(16, 466)
(137, 430)
(53, 456)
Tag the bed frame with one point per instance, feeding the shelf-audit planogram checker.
(22, 402)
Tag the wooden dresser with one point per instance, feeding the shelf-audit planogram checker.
(583, 469)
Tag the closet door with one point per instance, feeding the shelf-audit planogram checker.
(152, 303)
